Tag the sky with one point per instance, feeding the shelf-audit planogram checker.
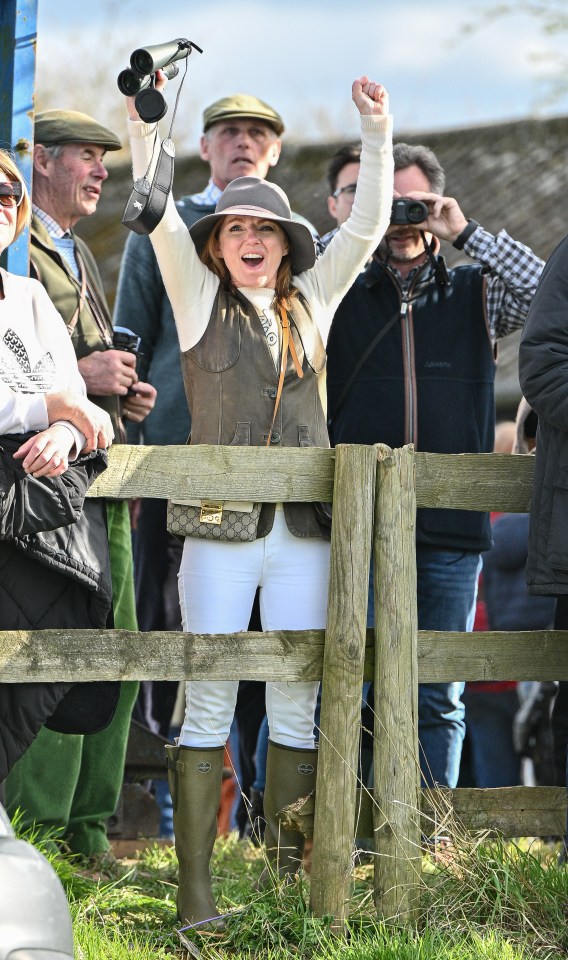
(301, 57)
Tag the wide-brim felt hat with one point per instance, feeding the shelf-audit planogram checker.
(252, 197)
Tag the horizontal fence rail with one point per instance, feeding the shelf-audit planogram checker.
(474, 481)
(218, 473)
(507, 811)
(459, 481)
(274, 655)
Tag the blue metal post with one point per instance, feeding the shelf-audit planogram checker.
(18, 32)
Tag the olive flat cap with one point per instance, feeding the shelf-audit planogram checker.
(238, 106)
(70, 126)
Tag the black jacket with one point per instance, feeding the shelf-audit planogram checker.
(543, 374)
(54, 574)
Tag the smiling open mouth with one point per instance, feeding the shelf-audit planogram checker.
(252, 259)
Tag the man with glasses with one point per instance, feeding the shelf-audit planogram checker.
(342, 175)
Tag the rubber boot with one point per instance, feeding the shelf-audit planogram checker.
(290, 774)
(194, 776)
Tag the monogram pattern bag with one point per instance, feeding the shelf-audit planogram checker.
(213, 521)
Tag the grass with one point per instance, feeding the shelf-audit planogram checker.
(493, 900)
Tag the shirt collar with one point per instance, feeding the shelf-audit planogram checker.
(51, 225)
(208, 197)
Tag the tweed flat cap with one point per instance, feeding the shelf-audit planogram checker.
(241, 105)
(70, 126)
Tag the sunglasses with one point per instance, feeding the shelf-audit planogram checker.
(11, 194)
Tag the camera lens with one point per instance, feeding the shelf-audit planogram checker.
(416, 211)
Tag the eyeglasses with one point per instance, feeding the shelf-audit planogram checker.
(349, 190)
(11, 194)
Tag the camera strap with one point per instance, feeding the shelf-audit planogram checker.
(146, 204)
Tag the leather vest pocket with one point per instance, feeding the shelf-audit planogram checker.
(304, 439)
(242, 435)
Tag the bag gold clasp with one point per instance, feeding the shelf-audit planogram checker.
(211, 512)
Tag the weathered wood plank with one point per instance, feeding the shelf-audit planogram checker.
(229, 473)
(507, 811)
(121, 654)
(460, 481)
(281, 655)
(344, 656)
(397, 774)
(480, 481)
(498, 655)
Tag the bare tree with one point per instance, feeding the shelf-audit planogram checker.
(551, 16)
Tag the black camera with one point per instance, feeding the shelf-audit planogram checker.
(406, 210)
(139, 80)
(127, 340)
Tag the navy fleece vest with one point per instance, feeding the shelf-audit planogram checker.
(430, 381)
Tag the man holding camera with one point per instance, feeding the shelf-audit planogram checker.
(411, 360)
(73, 782)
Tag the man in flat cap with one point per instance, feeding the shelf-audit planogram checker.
(241, 137)
(68, 781)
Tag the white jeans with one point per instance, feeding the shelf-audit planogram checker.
(217, 585)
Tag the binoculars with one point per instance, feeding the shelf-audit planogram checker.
(139, 80)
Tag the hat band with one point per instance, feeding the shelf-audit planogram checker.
(249, 210)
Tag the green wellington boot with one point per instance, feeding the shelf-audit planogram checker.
(290, 774)
(194, 776)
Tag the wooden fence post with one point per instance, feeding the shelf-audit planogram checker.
(397, 774)
(344, 654)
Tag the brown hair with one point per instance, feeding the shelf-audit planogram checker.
(10, 169)
(284, 292)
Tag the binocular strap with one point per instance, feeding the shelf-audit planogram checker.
(147, 202)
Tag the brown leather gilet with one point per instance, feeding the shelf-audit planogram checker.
(231, 384)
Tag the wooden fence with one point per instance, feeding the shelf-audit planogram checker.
(375, 493)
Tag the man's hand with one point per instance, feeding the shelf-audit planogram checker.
(370, 97)
(47, 453)
(108, 373)
(94, 423)
(138, 405)
(445, 218)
